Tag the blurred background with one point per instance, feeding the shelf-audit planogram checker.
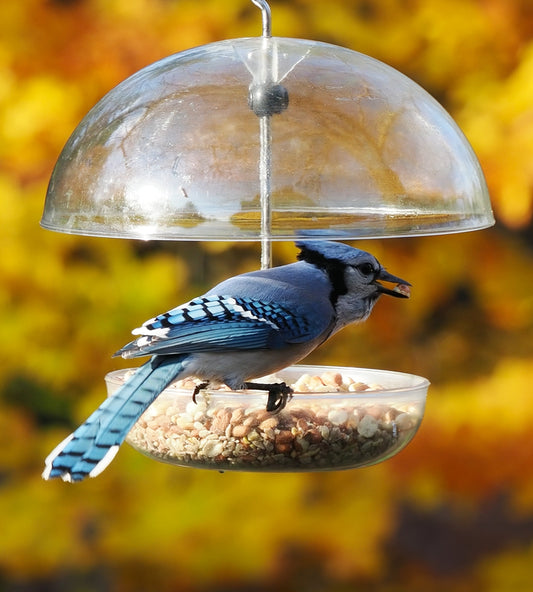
(452, 512)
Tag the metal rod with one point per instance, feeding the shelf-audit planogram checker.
(265, 187)
(267, 17)
(265, 138)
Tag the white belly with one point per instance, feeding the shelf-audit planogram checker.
(236, 367)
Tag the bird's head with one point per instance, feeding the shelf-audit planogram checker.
(355, 277)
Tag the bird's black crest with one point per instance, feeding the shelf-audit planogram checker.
(333, 267)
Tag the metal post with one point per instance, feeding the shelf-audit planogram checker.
(266, 99)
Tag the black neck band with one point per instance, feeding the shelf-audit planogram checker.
(333, 267)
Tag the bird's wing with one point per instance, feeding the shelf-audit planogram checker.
(212, 322)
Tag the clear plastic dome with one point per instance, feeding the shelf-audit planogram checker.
(174, 152)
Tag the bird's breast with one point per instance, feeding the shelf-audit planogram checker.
(233, 368)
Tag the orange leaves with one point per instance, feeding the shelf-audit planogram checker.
(67, 303)
(475, 438)
(501, 130)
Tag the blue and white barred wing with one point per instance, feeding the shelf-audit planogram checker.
(212, 323)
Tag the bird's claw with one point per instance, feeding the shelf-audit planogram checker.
(197, 389)
(278, 396)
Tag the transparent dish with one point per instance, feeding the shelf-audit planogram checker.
(338, 418)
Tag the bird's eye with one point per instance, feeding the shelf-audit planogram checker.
(367, 269)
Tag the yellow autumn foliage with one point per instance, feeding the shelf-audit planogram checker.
(453, 511)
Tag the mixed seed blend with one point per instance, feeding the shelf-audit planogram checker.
(236, 434)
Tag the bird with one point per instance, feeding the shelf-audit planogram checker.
(248, 326)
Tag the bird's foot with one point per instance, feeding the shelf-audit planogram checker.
(278, 394)
(197, 389)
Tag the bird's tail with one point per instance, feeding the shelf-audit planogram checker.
(90, 449)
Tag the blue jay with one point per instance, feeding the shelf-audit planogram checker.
(248, 326)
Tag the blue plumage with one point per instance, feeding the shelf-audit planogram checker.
(218, 322)
(93, 445)
(248, 326)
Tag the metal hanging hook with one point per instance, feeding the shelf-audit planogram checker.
(267, 16)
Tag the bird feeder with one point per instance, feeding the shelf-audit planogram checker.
(263, 139)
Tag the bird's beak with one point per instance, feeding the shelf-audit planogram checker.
(401, 290)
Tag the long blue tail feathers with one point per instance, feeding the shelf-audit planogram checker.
(90, 449)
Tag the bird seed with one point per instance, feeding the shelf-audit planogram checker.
(236, 434)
